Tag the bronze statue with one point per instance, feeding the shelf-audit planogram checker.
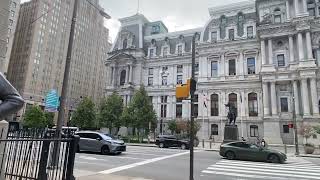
(232, 114)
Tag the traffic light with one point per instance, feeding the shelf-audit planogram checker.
(183, 90)
(290, 125)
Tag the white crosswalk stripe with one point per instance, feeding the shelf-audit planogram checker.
(293, 169)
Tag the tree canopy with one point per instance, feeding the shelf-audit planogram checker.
(35, 118)
(85, 115)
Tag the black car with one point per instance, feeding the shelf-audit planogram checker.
(163, 141)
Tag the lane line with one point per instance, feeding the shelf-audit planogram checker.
(264, 173)
(121, 168)
(243, 175)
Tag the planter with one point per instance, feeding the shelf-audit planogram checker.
(309, 149)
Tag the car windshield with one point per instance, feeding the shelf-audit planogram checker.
(105, 137)
(110, 136)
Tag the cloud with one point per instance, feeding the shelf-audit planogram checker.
(113, 25)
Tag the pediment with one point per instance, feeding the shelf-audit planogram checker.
(120, 56)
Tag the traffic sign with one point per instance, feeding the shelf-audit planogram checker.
(52, 101)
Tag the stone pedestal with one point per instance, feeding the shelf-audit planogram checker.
(230, 133)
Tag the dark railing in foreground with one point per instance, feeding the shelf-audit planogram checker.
(29, 154)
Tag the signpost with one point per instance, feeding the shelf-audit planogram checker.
(52, 101)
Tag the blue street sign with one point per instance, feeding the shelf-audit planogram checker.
(52, 101)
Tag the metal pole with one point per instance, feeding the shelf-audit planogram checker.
(295, 124)
(203, 133)
(192, 91)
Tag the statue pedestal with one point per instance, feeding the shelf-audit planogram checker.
(230, 133)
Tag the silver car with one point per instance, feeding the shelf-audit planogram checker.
(98, 142)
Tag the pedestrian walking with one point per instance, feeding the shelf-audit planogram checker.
(10, 100)
(243, 139)
(263, 143)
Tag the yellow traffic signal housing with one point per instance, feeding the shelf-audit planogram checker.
(183, 90)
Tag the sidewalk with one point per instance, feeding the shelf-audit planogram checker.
(105, 177)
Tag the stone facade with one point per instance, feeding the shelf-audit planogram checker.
(256, 55)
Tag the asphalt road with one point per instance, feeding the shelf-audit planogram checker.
(151, 163)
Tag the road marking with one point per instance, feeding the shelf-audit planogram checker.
(242, 175)
(121, 168)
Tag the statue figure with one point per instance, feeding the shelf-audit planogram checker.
(232, 114)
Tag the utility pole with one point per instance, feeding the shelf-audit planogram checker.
(192, 91)
(295, 124)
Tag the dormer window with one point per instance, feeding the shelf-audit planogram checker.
(155, 29)
(231, 34)
(179, 50)
(214, 36)
(250, 32)
(277, 16)
(311, 7)
(124, 44)
(165, 51)
(151, 52)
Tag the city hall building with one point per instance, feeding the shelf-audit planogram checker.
(261, 56)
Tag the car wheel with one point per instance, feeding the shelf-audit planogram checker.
(230, 155)
(105, 150)
(161, 145)
(183, 146)
(274, 158)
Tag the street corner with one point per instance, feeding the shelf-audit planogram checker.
(108, 176)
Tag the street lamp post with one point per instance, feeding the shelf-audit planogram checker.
(295, 124)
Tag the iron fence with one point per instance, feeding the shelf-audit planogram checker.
(37, 154)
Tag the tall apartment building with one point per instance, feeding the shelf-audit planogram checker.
(39, 52)
(14, 8)
(262, 56)
(4, 16)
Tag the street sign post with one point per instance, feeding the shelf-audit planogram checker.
(52, 101)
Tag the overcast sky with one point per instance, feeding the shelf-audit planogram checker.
(176, 14)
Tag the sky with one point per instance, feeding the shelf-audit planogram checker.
(176, 14)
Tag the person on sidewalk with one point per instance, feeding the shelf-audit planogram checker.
(10, 100)
(263, 143)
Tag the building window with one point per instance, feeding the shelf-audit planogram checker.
(164, 100)
(251, 64)
(214, 129)
(155, 29)
(150, 81)
(150, 71)
(214, 105)
(151, 52)
(179, 50)
(250, 32)
(254, 131)
(10, 22)
(233, 100)
(124, 44)
(281, 60)
(164, 68)
(214, 36)
(214, 69)
(231, 34)
(180, 69)
(165, 51)
(179, 108)
(311, 7)
(253, 104)
(179, 79)
(122, 77)
(277, 15)
(284, 104)
(164, 80)
(285, 128)
(232, 67)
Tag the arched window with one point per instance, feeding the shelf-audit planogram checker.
(240, 24)
(253, 104)
(124, 44)
(254, 131)
(214, 129)
(122, 77)
(214, 104)
(311, 7)
(277, 15)
(233, 100)
(223, 25)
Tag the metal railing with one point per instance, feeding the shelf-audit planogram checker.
(28, 154)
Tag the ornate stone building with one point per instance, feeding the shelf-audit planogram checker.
(256, 55)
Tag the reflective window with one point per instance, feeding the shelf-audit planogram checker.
(214, 105)
(253, 104)
(232, 67)
(281, 60)
(122, 77)
(284, 104)
(214, 129)
(251, 64)
(250, 32)
(214, 69)
(254, 131)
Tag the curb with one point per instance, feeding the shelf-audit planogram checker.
(309, 156)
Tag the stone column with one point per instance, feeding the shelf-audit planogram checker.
(288, 10)
(291, 51)
(127, 74)
(305, 99)
(296, 7)
(304, 5)
(300, 47)
(221, 64)
(266, 109)
(263, 52)
(273, 94)
(270, 51)
(131, 73)
(309, 45)
(113, 76)
(314, 96)
(243, 105)
(241, 64)
(296, 98)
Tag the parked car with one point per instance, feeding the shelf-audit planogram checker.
(98, 142)
(164, 141)
(246, 151)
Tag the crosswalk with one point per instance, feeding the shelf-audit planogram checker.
(291, 170)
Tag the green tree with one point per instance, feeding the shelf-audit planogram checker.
(140, 114)
(50, 118)
(85, 115)
(35, 118)
(172, 126)
(110, 112)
